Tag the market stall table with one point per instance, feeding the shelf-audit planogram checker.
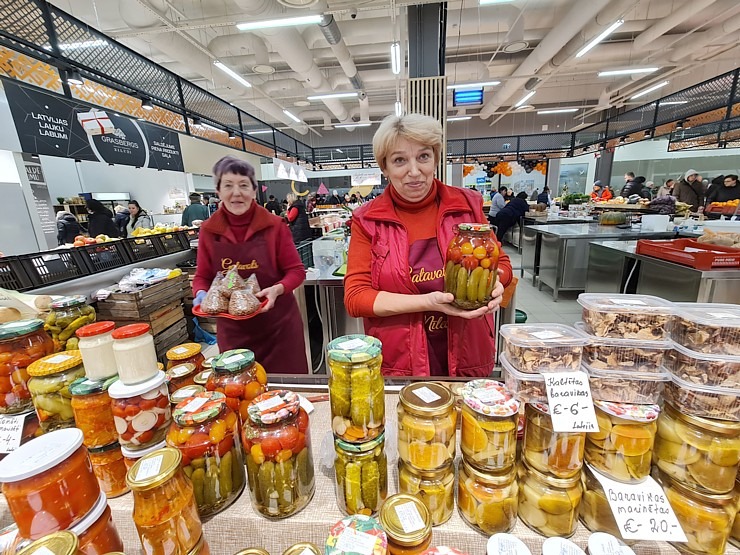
(515, 236)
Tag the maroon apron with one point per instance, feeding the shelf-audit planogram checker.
(276, 336)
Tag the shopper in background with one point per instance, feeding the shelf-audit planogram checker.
(67, 227)
(297, 219)
(140, 218)
(729, 190)
(100, 219)
(690, 190)
(598, 190)
(334, 198)
(544, 196)
(244, 234)
(497, 203)
(311, 204)
(395, 269)
(121, 219)
(606, 193)
(213, 205)
(718, 181)
(196, 210)
(666, 189)
(632, 185)
(645, 187)
(511, 214)
(354, 202)
(273, 205)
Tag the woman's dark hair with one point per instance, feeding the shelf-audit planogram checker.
(523, 195)
(139, 211)
(97, 207)
(545, 189)
(229, 164)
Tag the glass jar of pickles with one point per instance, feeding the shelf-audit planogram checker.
(21, 343)
(96, 347)
(471, 264)
(237, 375)
(187, 353)
(557, 453)
(705, 518)
(594, 511)
(622, 448)
(427, 426)
(488, 502)
(110, 469)
(698, 452)
(435, 488)
(93, 412)
(180, 375)
(206, 432)
(68, 314)
(277, 441)
(49, 385)
(548, 505)
(356, 387)
(490, 416)
(361, 475)
(141, 412)
(407, 524)
(165, 513)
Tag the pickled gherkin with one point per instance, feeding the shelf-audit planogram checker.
(304, 470)
(340, 390)
(361, 476)
(370, 481)
(361, 398)
(266, 480)
(353, 487)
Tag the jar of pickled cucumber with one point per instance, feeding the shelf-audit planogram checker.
(557, 453)
(427, 431)
(548, 505)
(407, 524)
(487, 501)
(277, 443)
(206, 432)
(68, 314)
(705, 518)
(490, 416)
(434, 487)
(237, 375)
(470, 265)
(699, 452)
(595, 511)
(622, 448)
(49, 385)
(356, 387)
(361, 475)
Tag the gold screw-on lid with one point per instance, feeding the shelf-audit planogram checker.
(253, 551)
(427, 398)
(58, 543)
(154, 469)
(300, 548)
(405, 519)
(55, 363)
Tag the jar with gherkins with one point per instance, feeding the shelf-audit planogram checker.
(206, 432)
(277, 443)
(68, 314)
(435, 488)
(49, 384)
(356, 387)
(361, 476)
(557, 453)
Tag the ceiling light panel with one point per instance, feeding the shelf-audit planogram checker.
(629, 71)
(649, 90)
(292, 116)
(396, 58)
(524, 99)
(605, 33)
(474, 85)
(282, 22)
(333, 95)
(558, 111)
(233, 74)
(459, 118)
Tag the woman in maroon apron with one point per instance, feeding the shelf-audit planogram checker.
(241, 233)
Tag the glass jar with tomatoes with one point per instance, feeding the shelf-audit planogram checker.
(471, 265)
(206, 431)
(187, 353)
(21, 343)
(238, 376)
(141, 412)
(277, 442)
(93, 411)
(181, 375)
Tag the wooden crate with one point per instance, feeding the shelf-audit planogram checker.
(176, 334)
(137, 305)
(160, 319)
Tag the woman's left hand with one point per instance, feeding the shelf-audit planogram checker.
(271, 294)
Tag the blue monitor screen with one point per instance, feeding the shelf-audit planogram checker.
(467, 97)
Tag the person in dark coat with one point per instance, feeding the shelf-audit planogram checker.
(67, 227)
(544, 196)
(510, 214)
(100, 220)
(631, 185)
(690, 190)
(273, 205)
(297, 219)
(729, 190)
(121, 219)
(334, 198)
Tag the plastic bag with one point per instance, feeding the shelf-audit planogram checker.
(243, 303)
(215, 300)
(201, 335)
(253, 286)
(232, 282)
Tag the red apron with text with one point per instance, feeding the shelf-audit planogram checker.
(276, 336)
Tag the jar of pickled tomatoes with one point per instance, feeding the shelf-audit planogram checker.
(141, 412)
(471, 265)
(187, 353)
(277, 441)
(180, 376)
(93, 411)
(21, 343)
(238, 376)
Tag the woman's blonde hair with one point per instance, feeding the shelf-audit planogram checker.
(418, 128)
(291, 198)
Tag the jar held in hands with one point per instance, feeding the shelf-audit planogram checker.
(471, 265)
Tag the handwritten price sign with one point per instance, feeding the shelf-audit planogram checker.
(571, 404)
(11, 429)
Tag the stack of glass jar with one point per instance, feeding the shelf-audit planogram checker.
(240, 377)
(357, 398)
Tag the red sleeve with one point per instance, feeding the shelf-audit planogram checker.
(204, 271)
(359, 295)
(292, 214)
(288, 260)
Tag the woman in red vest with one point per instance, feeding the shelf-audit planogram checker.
(395, 269)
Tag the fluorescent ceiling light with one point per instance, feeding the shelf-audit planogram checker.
(231, 73)
(259, 132)
(399, 108)
(558, 111)
(492, 2)
(474, 85)
(396, 58)
(352, 125)
(526, 97)
(282, 22)
(340, 151)
(632, 71)
(651, 89)
(292, 116)
(605, 33)
(83, 44)
(459, 118)
(673, 102)
(333, 95)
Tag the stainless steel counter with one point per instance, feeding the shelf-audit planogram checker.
(515, 235)
(614, 267)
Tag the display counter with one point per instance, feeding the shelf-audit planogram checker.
(614, 267)
(515, 236)
(557, 255)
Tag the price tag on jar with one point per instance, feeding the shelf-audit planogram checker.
(571, 403)
(149, 468)
(11, 431)
(641, 510)
(43, 551)
(409, 517)
(426, 394)
(195, 404)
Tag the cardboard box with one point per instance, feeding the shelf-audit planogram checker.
(96, 122)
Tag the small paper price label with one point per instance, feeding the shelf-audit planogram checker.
(11, 430)
(409, 517)
(641, 510)
(352, 344)
(271, 403)
(426, 395)
(571, 404)
(149, 468)
(195, 404)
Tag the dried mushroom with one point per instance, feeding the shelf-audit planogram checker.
(612, 357)
(707, 338)
(704, 369)
(620, 388)
(627, 325)
(533, 348)
(720, 404)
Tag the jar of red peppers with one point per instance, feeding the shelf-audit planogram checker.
(206, 432)
(187, 353)
(471, 265)
(96, 532)
(93, 412)
(180, 376)
(277, 441)
(110, 469)
(141, 412)
(21, 343)
(238, 376)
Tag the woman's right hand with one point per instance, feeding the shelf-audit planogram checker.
(442, 302)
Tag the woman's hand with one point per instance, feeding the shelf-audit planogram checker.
(271, 294)
(441, 302)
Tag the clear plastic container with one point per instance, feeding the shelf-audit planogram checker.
(68, 314)
(110, 469)
(49, 385)
(486, 501)
(407, 523)
(528, 388)
(626, 316)
(136, 357)
(237, 375)
(627, 355)
(93, 412)
(618, 386)
(435, 488)
(141, 412)
(706, 401)
(532, 348)
(187, 353)
(701, 453)
(361, 476)
(96, 347)
(595, 512)
(97, 532)
(708, 328)
(704, 368)
(559, 454)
